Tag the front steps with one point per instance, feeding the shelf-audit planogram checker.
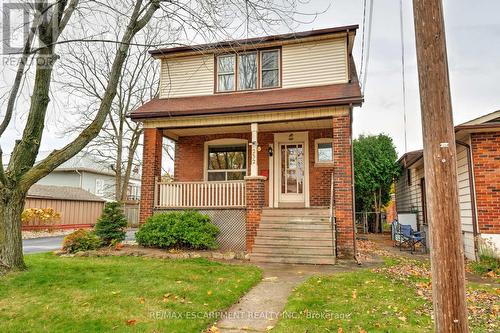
(294, 236)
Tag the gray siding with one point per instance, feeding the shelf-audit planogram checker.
(465, 201)
(61, 179)
(409, 196)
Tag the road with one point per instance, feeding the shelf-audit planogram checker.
(45, 244)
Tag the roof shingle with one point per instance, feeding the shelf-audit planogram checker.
(61, 193)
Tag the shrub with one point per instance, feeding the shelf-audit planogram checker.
(42, 215)
(189, 229)
(81, 240)
(110, 227)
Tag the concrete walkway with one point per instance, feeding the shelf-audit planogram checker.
(261, 307)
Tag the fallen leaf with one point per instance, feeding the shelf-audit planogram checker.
(131, 322)
(214, 329)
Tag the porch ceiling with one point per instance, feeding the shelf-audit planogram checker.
(263, 127)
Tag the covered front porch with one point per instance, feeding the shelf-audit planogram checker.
(234, 166)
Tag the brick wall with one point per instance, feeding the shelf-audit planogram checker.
(486, 160)
(189, 150)
(151, 168)
(255, 202)
(319, 176)
(343, 184)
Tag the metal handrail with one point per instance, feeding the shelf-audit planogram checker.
(333, 219)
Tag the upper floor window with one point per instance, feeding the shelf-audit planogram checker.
(225, 72)
(270, 69)
(248, 71)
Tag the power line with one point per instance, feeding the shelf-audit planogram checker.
(363, 41)
(366, 44)
(403, 72)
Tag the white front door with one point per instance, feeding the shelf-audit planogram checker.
(291, 169)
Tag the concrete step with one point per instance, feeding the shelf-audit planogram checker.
(311, 234)
(296, 219)
(294, 226)
(293, 259)
(278, 250)
(295, 212)
(293, 241)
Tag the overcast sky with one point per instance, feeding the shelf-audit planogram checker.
(473, 35)
(473, 40)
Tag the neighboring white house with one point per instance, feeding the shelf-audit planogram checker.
(478, 171)
(83, 172)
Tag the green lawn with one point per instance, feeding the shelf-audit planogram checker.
(353, 302)
(393, 298)
(119, 294)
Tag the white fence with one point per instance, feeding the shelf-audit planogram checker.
(200, 194)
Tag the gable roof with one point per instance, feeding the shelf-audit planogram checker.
(251, 42)
(488, 122)
(410, 158)
(61, 193)
(88, 163)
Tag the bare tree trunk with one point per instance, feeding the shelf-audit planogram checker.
(375, 205)
(379, 210)
(11, 246)
(128, 170)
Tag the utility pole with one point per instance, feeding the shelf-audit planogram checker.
(447, 259)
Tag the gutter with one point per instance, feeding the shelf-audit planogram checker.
(472, 195)
(353, 194)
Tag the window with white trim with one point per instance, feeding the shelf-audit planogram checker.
(323, 151)
(227, 162)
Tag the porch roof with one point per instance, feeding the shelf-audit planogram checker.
(260, 100)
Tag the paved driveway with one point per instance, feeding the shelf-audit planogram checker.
(45, 244)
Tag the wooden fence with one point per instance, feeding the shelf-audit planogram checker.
(74, 213)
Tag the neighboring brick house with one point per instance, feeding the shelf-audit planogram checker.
(478, 168)
(262, 129)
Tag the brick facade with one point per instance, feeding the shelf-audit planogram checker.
(486, 161)
(343, 183)
(151, 168)
(189, 165)
(255, 202)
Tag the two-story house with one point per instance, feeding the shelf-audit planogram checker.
(263, 136)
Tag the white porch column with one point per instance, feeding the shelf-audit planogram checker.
(254, 170)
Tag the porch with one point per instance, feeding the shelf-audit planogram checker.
(235, 173)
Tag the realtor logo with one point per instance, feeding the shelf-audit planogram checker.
(18, 18)
(15, 26)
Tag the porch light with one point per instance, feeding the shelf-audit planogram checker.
(270, 151)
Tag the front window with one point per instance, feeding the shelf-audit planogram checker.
(226, 162)
(324, 151)
(248, 71)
